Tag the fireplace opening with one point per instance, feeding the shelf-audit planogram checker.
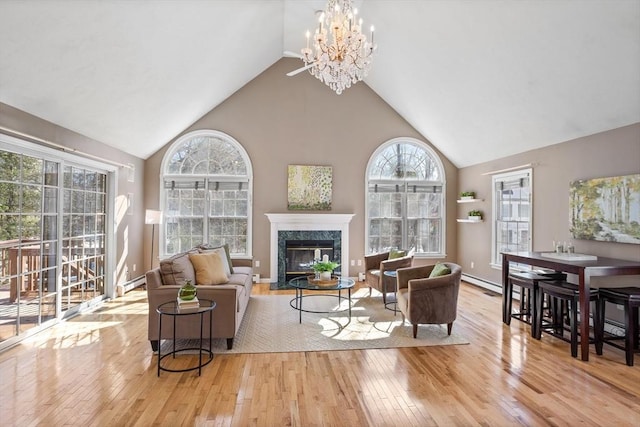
(299, 256)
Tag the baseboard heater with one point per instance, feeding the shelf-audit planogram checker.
(494, 287)
(125, 287)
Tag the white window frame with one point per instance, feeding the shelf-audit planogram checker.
(442, 183)
(204, 178)
(496, 258)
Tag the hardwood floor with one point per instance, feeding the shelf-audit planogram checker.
(98, 369)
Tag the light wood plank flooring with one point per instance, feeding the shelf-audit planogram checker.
(98, 369)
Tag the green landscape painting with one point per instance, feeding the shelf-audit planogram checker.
(606, 209)
(309, 188)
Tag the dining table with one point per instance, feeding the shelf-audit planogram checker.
(583, 266)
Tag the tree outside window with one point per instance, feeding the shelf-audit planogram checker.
(205, 193)
(405, 198)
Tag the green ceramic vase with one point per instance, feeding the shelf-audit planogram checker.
(188, 291)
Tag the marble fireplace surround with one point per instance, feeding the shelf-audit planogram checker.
(308, 222)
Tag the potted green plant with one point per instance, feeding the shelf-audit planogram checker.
(467, 195)
(475, 215)
(325, 268)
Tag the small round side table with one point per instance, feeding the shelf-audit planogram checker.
(171, 309)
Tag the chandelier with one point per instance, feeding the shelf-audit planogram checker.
(341, 55)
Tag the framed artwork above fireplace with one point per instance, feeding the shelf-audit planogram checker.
(309, 188)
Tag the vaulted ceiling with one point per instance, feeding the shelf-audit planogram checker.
(480, 79)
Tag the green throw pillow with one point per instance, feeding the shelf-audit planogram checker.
(395, 253)
(440, 270)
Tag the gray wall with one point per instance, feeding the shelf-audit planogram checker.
(284, 120)
(128, 228)
(611, 153)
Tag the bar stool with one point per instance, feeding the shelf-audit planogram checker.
(629, 298)
(528, 283)
(564, 294)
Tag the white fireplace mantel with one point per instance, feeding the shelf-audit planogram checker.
(309, 222)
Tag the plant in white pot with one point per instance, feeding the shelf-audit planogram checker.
(325, 268)
(475, 215)
(467, 195)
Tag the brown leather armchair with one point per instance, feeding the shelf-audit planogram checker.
(424, 300)
(375, 266)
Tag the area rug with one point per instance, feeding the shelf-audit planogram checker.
(271, 325)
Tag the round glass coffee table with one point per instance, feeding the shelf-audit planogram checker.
(303, 283)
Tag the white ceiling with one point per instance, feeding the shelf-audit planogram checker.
(480, 79)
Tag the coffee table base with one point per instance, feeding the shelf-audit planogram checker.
(296, 302)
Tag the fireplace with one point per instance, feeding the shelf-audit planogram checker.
(300, 254)
(307, 227)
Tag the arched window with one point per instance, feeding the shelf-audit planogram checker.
(206, 193)
(405, 198)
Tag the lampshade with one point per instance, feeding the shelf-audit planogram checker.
(153, 217)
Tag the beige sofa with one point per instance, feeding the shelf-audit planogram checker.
(231, 298)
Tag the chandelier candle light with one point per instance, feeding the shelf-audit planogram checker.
(341, 55)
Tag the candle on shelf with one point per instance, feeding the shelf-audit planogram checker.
(325, 258)
(316, 254)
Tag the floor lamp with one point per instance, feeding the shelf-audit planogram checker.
(152, 217)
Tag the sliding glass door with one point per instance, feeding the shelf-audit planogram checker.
(53, 217)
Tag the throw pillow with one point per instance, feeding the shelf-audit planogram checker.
(206, 247)
(396, 253)
(223, 257)
(209, 268)
(439, 270)
(176, 270)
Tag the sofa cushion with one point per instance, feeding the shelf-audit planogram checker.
(223, 257)
(440, 270)
(209, 268)
(177, 270)
(206, 247)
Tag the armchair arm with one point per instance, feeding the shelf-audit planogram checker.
(372, 262)
(430, 283)
(396, 263)
(411, 273)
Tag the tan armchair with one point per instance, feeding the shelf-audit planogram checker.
(375, 266)
(424, 300)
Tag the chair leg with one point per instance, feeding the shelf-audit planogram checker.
(599, 326)
(533, 315)
(537, 332)
(630, 333)
(449, 327)
(635, 319)
(506, 315)
(558, 314)
(415, 330)
(574, 328)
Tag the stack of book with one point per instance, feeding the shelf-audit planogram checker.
(188, 304)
